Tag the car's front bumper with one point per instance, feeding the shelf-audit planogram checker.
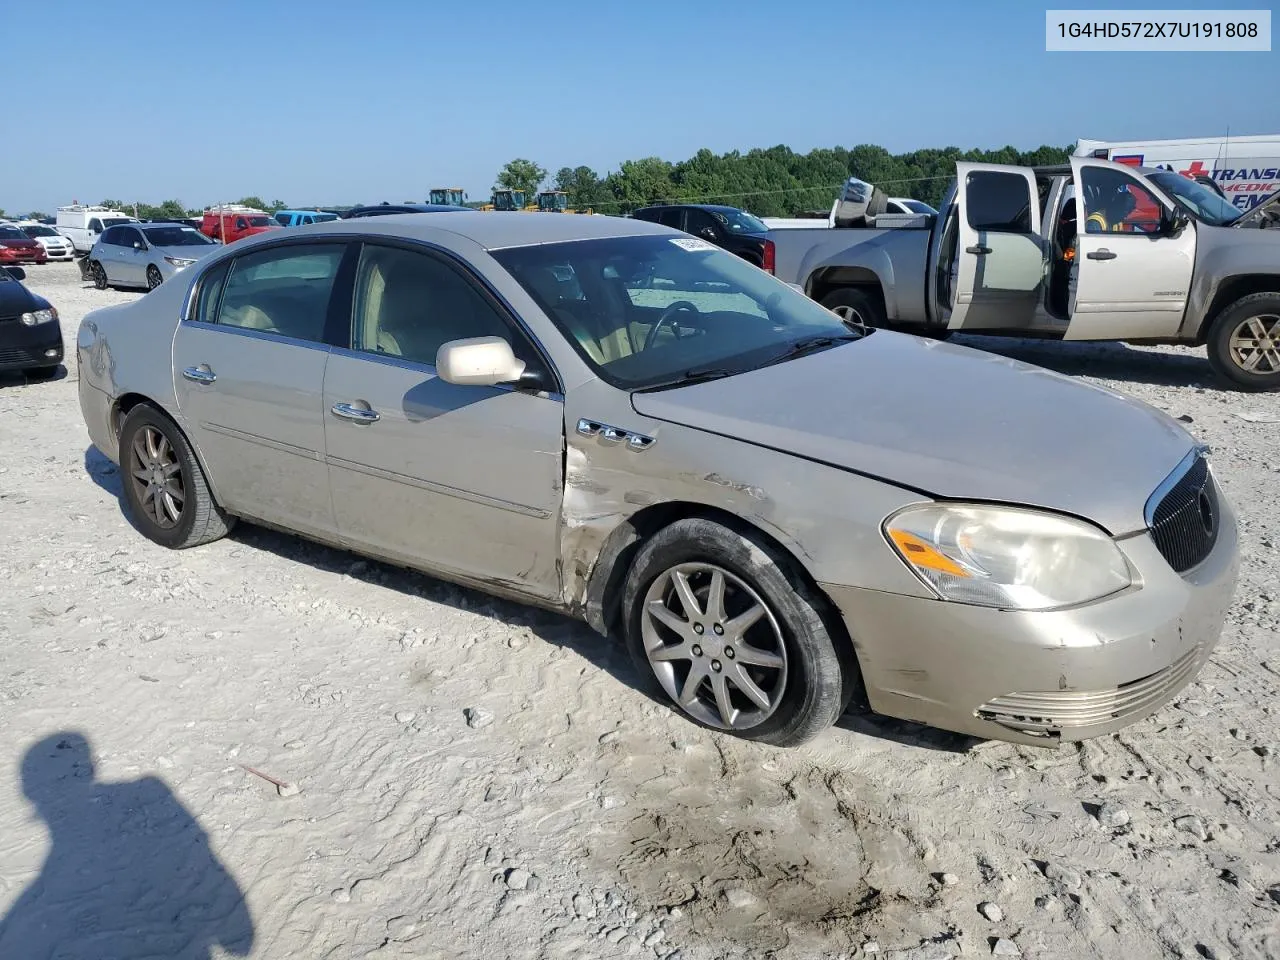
(63, 253)
(1044, 678)
(26, 348)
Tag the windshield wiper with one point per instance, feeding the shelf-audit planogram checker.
(812, 345)
(696, 375)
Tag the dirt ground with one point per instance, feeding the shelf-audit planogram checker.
(478, 780)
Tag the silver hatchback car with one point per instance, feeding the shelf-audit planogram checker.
(145, 254)
(782, 515)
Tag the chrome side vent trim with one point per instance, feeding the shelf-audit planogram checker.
(611, 434)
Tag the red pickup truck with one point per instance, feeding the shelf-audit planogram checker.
(231, 222)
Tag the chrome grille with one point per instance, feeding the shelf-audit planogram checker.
(1183, 514)
(1050, 712)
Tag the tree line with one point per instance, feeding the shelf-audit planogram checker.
(769, 182)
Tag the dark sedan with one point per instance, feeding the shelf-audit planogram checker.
(728, 227)
(30, 335)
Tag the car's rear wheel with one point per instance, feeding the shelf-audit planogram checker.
(724, 627)
(98, 274)
(154, 279)
(855, 306)
(1244, 342)
(164, 486)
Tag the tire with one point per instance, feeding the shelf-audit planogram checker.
(154, 279)
(852, 304)
(199, 519)
(98, 274)
(812, 676)
(1253, 318)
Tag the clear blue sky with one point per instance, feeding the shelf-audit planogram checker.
(340, 101)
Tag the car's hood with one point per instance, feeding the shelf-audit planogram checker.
(15, 299)
(948, 421)
(188, 252)
(1267, 209)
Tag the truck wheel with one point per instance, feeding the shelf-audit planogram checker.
(855, 306)
(1244, 342)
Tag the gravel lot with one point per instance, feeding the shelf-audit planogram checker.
(475, 779)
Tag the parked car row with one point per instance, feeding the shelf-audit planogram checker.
(567, 411)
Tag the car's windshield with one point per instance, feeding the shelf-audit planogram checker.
(739, 221)
(324, 217)
(116, 221)
(176, 236)
(1196, 198)
(650, 311)
(262, 222)
(8, 232)
(34, 232)
(918, 206)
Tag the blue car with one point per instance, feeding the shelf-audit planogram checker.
(297, 218)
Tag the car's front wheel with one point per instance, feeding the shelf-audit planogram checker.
(154, 279)
(1244, 342)
(164, 486)
(724, 627)
(98, 274)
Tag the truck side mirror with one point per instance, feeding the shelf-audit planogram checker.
(1176, 222)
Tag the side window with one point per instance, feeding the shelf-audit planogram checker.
(407, 304)
(1116, 203)
(206, 305)
(701, 224)
(109, 236)
(129, 237)
(283, 290)
(998, 202)
(241, 224)
(670, 218)
(95, 225)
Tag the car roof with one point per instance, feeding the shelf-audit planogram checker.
(495, 230)
(391, 208)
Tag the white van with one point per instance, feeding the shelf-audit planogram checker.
(81, 224)
(1245, 169)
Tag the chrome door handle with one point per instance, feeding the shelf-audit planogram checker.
(200, 374)
(979, 249)
(359, 414)
(1103, 254)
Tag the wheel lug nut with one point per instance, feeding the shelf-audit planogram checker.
(697, 650)
(719, 630)
(715, 665)
(698, 628)
(728, 653)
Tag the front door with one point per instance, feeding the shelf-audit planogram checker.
(1133, 272)
(131, 259)
(999, 263)
(458, 479)
(249, 366)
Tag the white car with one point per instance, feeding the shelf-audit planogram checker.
(55, 244)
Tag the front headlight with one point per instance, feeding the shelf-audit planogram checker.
(179, 262)
(1006, 556)
(40, 316)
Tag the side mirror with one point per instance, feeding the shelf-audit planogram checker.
(16, 272)
(478, 362)
(139, 245)
(1177, 222)
(708, 233)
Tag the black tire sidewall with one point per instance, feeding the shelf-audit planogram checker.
(863, 303)
(99, 274)
(146, 415)
(1219, 341)
(818, 683)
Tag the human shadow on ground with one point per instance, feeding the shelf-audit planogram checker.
(129, 871)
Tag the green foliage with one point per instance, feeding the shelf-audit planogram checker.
(521, 174)
(777, 181)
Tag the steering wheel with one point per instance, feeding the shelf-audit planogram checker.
(669, 315)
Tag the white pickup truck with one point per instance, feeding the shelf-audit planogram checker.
(1091, 250)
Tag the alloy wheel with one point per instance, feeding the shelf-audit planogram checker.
(153, 277)
(157, 477)
(714, 645)
(1255, 344)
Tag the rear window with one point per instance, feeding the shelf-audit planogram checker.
(998, 202)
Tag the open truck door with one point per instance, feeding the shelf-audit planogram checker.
(999, 260)
(1134, 254)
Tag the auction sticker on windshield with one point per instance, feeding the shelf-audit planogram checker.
(692, 243)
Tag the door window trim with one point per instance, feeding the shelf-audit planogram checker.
(495, 300)
(1082, 213)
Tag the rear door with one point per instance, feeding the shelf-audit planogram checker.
(999, 265)
(132, 259)
(459, 479)
(1133, 274)
(249, 365)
